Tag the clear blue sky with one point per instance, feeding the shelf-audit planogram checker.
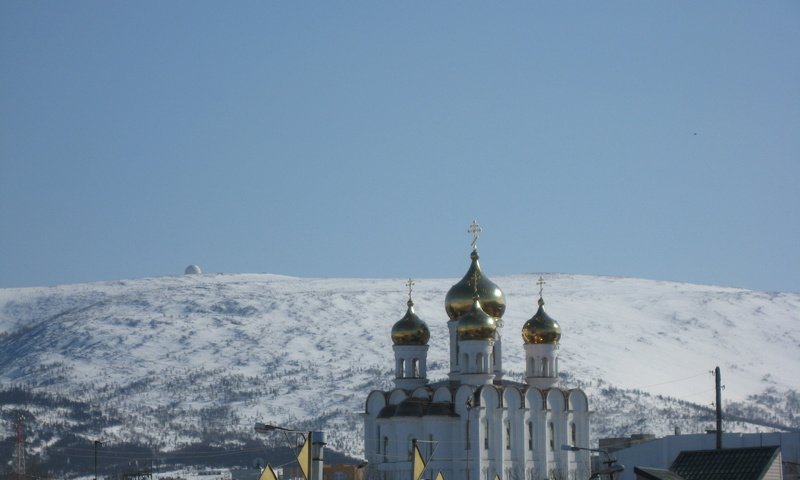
(649, 139)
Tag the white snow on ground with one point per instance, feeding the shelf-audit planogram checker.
(301, 348)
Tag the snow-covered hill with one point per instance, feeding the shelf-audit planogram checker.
(175, 360)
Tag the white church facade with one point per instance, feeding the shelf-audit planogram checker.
(476, 425)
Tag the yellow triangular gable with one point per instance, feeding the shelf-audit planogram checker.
(419, 463)
(268, 473)
(304, 458)
(439, 476)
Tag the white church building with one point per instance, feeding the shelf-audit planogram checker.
(476, 425)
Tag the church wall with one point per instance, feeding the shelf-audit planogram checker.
(488, 417)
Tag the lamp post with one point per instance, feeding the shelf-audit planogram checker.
(96, 444)
(361, 470)
(612, 466)
(317, 445)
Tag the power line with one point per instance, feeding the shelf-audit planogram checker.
(671, 381)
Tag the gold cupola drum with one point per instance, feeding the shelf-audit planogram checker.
(410, 337)
(460, 301)
(476, 333)
(541, 335)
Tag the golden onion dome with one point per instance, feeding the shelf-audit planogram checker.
(460, 297)
(476, 324)
(541, 328)
(410, 330)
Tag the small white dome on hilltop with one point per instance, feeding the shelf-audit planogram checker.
(192, 270)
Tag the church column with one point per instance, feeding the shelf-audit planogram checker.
(455, 368)
(498, 352)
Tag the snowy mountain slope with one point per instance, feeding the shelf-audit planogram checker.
(201, 357)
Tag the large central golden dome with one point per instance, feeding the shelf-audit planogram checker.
(460, 297)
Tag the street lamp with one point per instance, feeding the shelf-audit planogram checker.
(96, 443)
(612, 466)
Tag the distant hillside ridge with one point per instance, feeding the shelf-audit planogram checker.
(197, 359)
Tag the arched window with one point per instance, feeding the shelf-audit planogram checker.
(401, 368)
(552, 437)
(573, 434)
(385, 449)
(479, 363)
(378, 440)
(508, 435)
(415, 368)
(532, 367)
(486, 434)
(530, 435)
(466, 363)
(544, 367)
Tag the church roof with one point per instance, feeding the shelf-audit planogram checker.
(418, 407)
(454, 385)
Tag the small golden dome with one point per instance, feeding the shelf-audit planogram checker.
(460, 297)
(476, 324)
(541, 328)
(410, 330)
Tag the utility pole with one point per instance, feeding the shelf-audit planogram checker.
(718, 386)
(317, 447)
(19, 461)
(96, 443)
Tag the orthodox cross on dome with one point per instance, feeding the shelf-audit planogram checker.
(541, 283)
(410, 285)
(476, 275)
(475, 230)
